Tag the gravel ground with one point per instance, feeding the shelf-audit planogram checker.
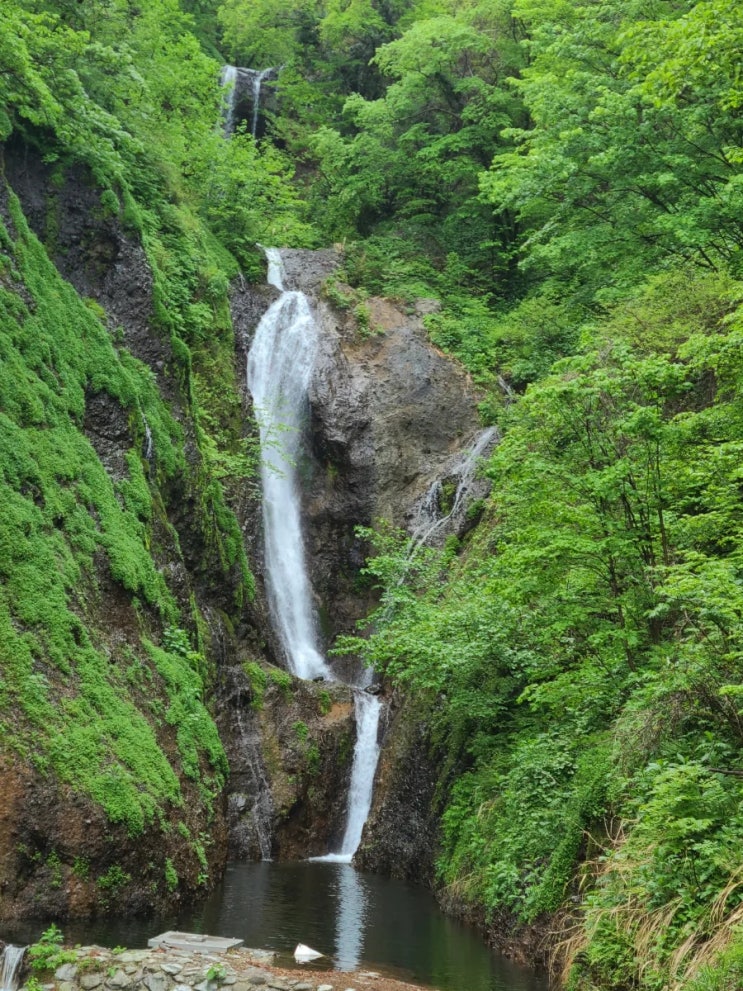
(361, 980)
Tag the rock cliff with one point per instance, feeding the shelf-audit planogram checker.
(111, 770)
(389, 416)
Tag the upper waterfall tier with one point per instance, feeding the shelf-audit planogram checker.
(244, 88)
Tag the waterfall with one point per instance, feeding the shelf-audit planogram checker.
(262, 809)
(11, 967)
(228, 80)
(280, 364)
(365, 758)
(279, 368)
(429, 519)
(148, 445)
(257, 80)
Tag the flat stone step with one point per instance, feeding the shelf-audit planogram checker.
(194, 942)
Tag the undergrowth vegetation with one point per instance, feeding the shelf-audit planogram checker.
(582, 653)
(68, 705)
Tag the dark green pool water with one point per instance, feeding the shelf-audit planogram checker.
(358, 920)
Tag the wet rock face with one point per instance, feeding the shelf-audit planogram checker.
(389, 415)
(56, 844)
(106, 426)
(289, 745)
(402, 831)
(91, 249)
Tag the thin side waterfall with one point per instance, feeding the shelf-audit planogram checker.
(10, 967)
(258, 78)
(262, 809)
(280, 364)
(230, 80)
(430, 520)
(149, 449)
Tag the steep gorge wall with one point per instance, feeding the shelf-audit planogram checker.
(112, 562)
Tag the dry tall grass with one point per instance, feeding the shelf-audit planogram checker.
(700, 942)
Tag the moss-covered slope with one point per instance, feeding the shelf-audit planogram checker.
(112, 765)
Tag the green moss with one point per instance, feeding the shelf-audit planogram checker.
(171, 875)
(283, 681)
(324, 702)
(301, 731)
(195, 730)
(257, 678)
(63, 521)
(114, 878)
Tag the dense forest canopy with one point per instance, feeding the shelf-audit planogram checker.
(567, 178)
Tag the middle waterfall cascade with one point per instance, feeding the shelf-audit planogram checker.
(279, 369)
(228, 81)
(280, 364)
(430, 521)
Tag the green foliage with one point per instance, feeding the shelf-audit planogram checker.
(258, 680)
(81, 868)
(196, 734)
(406, 164)
(61, 512)
(632, 156)
(114, 878)
(171, 875)
(249, 198)
(313, 758)
(301, 731)
(580, 656)
(283, 681)
(46, 954)
(129, 99)
(725, 974)
(566, 179)
(216, 972)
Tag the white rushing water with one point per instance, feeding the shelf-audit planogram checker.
(280, 364)
(10, 967)
(429, 519)
(279, 369)
(228, 81)
(365, 758)
(257, 81)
